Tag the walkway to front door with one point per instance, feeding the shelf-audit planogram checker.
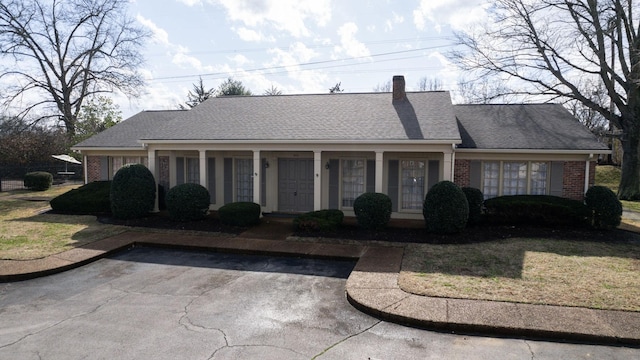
(295, 185)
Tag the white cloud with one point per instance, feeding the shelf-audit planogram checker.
(349, 45)
(159, 35)
(285, 15)
(190, 2)
(455, 13)
(390, 23)
(307, 81)
(252, 35)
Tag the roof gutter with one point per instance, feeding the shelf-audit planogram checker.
(590, 152)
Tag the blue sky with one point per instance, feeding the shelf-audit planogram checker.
(296, 46)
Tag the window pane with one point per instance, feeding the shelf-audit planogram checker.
(538, 178)
(514, 178)
(116, 164)
(131, 160)
(352, 181)
(412, 179)
(193, 170)
(491, 176)
(244, 180)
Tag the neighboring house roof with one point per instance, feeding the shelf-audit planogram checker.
(522, 126)
(127, 133)
(349, 117)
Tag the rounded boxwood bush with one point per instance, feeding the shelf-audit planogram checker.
(321, 220)
(38, 180)
(445, 208)
(92, 198)
(373, 210)
(605, 207)
(241, 214)
(475, 198)
(187, 202)
(133, 192)
(536, 210)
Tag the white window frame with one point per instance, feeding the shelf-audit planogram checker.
(501, 177)
(342, 183)
(113, 169)
(195, 179)
(401, 185)
(236, 180)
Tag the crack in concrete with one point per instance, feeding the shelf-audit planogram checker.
(256, 346)
(93, 311)
(345, 339)
(396, 304)
(533, 355)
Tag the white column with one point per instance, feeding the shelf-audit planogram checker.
(203, 167)
(317, 180)
(453, 163)
(86, 169)
(257, 173)
(448, 167)
(151, 156)
(586, 173)
(379, 171)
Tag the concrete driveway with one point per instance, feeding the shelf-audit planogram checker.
(150, 303)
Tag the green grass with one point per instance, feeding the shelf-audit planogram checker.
(526, 270)
(609, 176)
(27, 233)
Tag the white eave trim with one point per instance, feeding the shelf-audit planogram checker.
(303, 142)
(532, 151)
(108, 148)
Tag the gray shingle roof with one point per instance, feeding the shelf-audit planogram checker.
(522, 126)
(372, 116)
(128, 132)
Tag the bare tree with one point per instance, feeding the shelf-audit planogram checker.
(336, 88)
(549, 45)
(198, 95)
(429, 84)
(272, 91)
(232, 87)
(483, 91)
(61, 52)
(385, 87)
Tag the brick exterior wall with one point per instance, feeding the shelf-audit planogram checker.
(461, 172)
(573, 179)
(93, 168)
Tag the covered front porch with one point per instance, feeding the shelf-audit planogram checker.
(295, 178)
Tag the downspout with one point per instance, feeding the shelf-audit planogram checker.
(586, 173)
(453, 161)
(85, 169)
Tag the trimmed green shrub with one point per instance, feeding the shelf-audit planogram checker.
(321, 220)
(133, 192)
(187, 202)
(545, 210)
(606, 209)
(373, 210)
(475, 198)
(38, 180)
(445, 208)
(241, 214)
(89, 199)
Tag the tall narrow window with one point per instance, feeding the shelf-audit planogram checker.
(538, 178)
(116, 164)
(244, 180)
(193, 170)
(353, 177)
(514, 178)
(412, 176)
(491, 185)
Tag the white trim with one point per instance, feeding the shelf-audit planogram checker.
(535, 151)
(147, 142)
(586, 173)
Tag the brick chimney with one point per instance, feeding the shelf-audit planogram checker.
(398, 88)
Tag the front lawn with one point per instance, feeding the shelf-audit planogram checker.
(26, 233)
(600, 275)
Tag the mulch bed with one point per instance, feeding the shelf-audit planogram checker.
(410, 234)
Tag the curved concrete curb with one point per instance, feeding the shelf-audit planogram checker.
(373, 288)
